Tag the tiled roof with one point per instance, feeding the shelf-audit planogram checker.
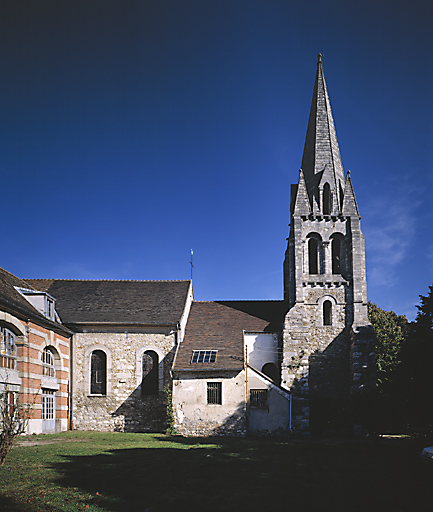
(120, 302)
(220, 325)
(12, 301)
(11, 297)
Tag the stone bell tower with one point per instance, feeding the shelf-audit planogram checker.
(328, 343)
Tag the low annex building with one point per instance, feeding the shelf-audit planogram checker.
(97, 355)
(214, 390)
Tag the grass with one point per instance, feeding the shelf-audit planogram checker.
(113, 472)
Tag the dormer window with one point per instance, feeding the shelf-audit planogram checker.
(43, 302)
(50, 308)
(204, 356)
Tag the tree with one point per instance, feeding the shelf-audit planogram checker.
(13, 420)
(391, 331)
(415, 373)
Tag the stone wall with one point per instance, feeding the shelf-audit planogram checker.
(195, 417)
(316, 358)
(122, 408)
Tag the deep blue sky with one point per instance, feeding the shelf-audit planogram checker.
(133, 131)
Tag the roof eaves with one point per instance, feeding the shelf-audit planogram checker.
(194, 369)
(26, 315)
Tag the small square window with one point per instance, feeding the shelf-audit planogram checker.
(259, 398)
(204, 356)
(214, 394)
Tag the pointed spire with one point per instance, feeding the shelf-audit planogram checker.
(302, 203)
(321, 152)
(349, 202)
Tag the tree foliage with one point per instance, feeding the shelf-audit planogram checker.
(391, 331)
(416, 363)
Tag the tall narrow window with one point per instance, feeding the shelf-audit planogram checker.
(214, 395)
(48, 363)
(327, 199)
(313, 256)
(336, 255)
(150, 377)
(98, 373)
(327, 312)
(7, 348)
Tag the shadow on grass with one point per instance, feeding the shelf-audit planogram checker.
(252, 474)
(9, 505)
(133, 479)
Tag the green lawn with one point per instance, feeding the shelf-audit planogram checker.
(96, 472)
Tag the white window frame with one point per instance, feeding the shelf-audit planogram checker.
(48, 363)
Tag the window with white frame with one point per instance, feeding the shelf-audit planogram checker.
(48, 404)
(9, 404)
(204, 356)
(7, 348)
(48, 363)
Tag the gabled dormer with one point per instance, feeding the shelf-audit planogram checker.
(42, 301)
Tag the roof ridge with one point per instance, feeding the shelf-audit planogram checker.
(240, 300)
(15, 277)
(110, 280)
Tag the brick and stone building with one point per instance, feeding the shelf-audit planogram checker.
(35, 363)
(234, 367)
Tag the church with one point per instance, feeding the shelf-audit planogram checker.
(114, 355)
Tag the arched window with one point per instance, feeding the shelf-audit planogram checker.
(7, 348)
(150, 377)
(327, 312)
(313, 256)
(48, 363)
(327, 199)
(98, 373)
(271, 370)
(336, 255)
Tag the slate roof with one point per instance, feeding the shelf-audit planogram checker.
(220, 325)
(12, 301)
(321, 149)
(116, 302)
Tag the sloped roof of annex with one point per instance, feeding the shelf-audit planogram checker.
(220, 325)
(121, 302)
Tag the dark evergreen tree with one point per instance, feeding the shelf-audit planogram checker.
(415, 373)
